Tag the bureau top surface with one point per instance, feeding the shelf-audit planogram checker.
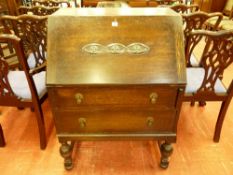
(101, 46)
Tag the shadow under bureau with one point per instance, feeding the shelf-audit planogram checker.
(115, 74)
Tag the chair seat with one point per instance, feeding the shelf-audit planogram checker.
(195, 78)
(20, 87)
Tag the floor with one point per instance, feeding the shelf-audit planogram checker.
(194, 152)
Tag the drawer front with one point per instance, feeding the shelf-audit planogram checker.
(78, 97)
(115, 120)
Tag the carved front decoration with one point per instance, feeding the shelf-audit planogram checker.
(137, 48)
(94, 48)
(116, 48)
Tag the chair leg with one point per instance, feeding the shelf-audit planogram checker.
(192, 103)
(221, 116)
(2, 140)
(202, 103)
(20, 108)
(41, 126)
(32, 109)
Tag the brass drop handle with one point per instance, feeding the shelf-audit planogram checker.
(79, 98)
(150, 121)
(82, 122)
(153, 97)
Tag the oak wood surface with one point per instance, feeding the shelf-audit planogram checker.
(109, 68)
(100, 90)
(115, 95)
(116, 120)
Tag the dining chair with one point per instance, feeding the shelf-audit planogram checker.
(183, 8)
(51, 3)
(32, 29)
(23, 88)
(204, 83)
(37, 10)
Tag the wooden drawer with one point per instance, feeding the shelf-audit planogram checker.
(76, 97)
(115, 120)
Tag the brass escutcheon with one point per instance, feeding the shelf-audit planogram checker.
(153, 97)
(79, 98)
(82, 122)
(150, 121)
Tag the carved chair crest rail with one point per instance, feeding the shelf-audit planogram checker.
(23, 88)
(183, 8)
(51, 3)
(37, 10)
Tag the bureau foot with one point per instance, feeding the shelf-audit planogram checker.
(66, 152)
(166, 150)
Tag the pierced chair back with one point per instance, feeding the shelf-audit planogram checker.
(204, 83)
(197, 21)
(37, 10)
(32, 30)
(51, 3)
(183, 8)
(22, 88)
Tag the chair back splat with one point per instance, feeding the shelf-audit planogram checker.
(204, 83)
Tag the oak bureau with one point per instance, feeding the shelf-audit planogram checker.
(115, 74)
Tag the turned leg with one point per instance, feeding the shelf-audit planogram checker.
(20, 108)
(32, 109)
(166, 150)
(202, 103)
(192, 103)
(66, 152)
(2, 140)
